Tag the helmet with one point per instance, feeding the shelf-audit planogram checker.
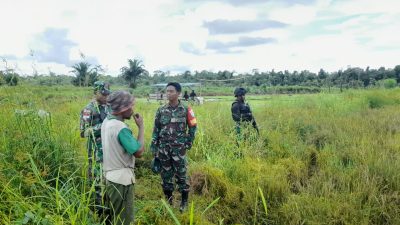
(240, 91)
(102, 87)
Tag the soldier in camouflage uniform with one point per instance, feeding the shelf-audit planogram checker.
(241, 112)
(173, 135)
(91, 118)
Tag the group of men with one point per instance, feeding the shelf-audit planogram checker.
(192, 95)
(112, 147)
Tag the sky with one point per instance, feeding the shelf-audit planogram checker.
(178, 35)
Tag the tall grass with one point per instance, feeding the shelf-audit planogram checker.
(328, 158)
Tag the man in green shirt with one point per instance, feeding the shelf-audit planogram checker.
(120, 148)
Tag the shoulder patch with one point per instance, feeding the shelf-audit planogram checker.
(191, 118)
(86, 113)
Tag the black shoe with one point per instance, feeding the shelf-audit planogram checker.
(184, 201)
(169, 196)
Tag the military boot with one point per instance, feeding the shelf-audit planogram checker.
(169, 196)
(184, 201)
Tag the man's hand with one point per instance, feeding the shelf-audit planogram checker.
(255, 126)
(138, 120)
(88, 132)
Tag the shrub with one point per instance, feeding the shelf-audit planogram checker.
(388, 83)
(376, 101)
(11, 79)
(2, 81)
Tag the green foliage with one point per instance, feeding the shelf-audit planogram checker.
(133, 71)
(379, 100)
(10, 78)
(389, 83)
(223, 82)
(324, 158)
(85, 74)
(2, 81)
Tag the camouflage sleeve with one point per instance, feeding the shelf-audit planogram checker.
(85, 120)
(97, 130)
(156, 133)
(192, 133)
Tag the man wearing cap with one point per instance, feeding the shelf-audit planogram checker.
(241, 112)
(173, 134)
(120, 149)
(91, 118)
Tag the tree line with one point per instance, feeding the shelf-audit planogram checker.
(135, 74)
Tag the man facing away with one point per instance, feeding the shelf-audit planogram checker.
(91, 118)
(173, 135)
(186, 96)
(241, 112)
(192, 95)
(120, 149)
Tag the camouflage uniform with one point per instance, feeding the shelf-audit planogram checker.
(91, 118)
(173, 135)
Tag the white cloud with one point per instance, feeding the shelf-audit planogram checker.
(295, 15)
(154, 31)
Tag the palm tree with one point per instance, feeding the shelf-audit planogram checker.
(85, 75)
(132, 72)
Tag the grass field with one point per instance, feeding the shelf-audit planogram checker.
(327, 158)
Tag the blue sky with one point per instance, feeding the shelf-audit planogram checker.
(179, 35)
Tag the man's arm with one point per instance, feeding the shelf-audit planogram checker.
(156, 133)
(85, 121)
(139, 123)
(253, 121)
(132, 145)
(192, 133)
(236, 112)
(236, 116)
(192, 125)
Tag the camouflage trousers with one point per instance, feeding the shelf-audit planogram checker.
(95, 174)
(173, 164)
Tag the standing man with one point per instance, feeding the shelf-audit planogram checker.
(173, 135)
(192, 95)
(91, 118)
(120, 150)
(241, 112)
(186, 96)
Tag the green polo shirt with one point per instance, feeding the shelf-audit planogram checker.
(126, 139)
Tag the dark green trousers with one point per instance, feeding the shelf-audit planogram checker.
(119, 201)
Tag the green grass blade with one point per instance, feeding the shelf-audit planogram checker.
(191, 213)
(210, 205)
(263, 201)
(170, 212)
(255, 210)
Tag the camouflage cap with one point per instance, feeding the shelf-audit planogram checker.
(120, 101)
(240, 92)
(102, 87)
